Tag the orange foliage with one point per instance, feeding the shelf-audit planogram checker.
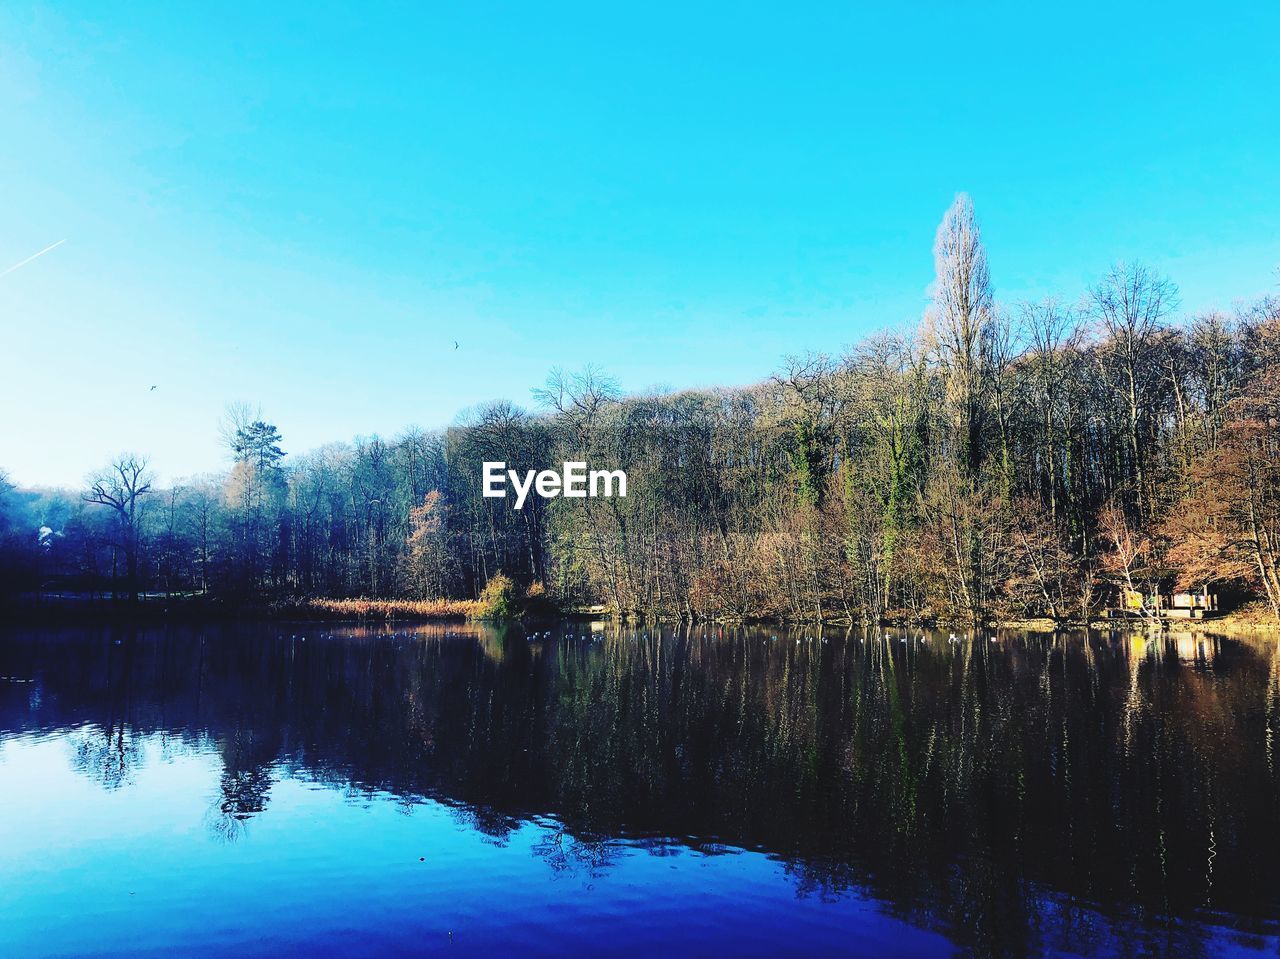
(387, 609)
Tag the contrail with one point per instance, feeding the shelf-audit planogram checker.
(33, 256)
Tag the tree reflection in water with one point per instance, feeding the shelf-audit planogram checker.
(1040, 792)
(106, 754)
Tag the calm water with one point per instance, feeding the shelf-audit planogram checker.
(237, 791)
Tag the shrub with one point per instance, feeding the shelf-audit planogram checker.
(379, 609)
(499, 600)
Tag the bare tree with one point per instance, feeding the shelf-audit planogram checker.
(1130, 562)
(1054, 335)
(961, 317)
(120, 486)
(1130, 304)
(578, 398)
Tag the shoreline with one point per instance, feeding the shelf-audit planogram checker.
(60, 611)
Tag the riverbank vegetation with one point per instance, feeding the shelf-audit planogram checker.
(378, 610)
(995, 460)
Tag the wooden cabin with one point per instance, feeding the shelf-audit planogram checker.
(1192, 605)
(1132, 603)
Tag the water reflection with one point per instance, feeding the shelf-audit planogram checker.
(1036, 793)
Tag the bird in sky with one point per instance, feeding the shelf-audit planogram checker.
(152, 388)
(455, 344)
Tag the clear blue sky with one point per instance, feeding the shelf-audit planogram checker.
(305, 206)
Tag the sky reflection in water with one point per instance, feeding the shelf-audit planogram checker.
(246, 790)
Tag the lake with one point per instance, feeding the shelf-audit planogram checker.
(238, 790)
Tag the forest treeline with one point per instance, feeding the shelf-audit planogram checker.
(998, 460)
